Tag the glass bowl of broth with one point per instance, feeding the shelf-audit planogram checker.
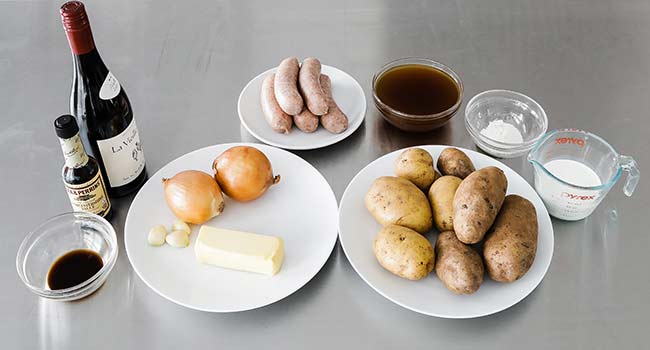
(417, 94)
(67, 257)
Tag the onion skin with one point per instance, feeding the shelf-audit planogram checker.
(193, 196)
(244, 173)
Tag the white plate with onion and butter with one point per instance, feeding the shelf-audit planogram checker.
(346, 91)
(357, 231)
(286, 210)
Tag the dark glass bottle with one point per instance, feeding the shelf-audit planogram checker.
(82, 178)
(103, 110)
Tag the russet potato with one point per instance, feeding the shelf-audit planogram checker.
(454, 162)
(458, 266)
(511, 245)
(477, 201)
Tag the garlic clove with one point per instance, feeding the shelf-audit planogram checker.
(157, 235)
(178, 239)
(180, 225)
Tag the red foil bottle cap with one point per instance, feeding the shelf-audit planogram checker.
(77, 27)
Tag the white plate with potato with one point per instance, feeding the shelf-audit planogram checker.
(346, 91)
(285, 210)
(358, 229)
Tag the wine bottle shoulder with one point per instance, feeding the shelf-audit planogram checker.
(98, 99)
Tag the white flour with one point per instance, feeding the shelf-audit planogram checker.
(501, 131)
(573, 172)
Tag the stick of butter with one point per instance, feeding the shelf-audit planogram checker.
(239, 250)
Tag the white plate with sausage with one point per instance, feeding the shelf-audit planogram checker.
(357, 231)
(285, 210)
(346, 92)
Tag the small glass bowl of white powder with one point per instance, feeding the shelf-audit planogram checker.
(504, 123)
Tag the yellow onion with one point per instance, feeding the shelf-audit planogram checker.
(193, 196)
(244, 173)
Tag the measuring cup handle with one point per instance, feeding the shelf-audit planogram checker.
(629, 165)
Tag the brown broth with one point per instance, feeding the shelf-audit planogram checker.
(417, 89)
(73, 268)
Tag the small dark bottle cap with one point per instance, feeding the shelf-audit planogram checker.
(66, 126)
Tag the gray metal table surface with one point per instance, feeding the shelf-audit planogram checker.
(183, 64)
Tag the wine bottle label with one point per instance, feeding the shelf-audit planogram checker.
(74, 152)
(122, 156)
(110, 88)
(90, 196)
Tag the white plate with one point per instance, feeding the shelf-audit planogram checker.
(346, 91)
(357, 230)
(301, 209)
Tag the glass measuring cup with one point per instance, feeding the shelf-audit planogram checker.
(568, 201)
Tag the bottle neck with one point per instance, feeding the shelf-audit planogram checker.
(80, 36)
(74, 152)
(88, 62)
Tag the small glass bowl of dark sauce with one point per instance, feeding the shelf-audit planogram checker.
(417, 94)
(68, 257)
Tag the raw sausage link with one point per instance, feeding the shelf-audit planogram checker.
(308, 81)
(277, 119)
(306, 121)
(286, 88)
(335, 120)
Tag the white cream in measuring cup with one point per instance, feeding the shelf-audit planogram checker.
(575, 169)
(573, 172)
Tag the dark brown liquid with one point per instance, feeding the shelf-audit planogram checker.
(73, 268)
(417, 89)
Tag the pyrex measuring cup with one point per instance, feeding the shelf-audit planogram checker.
(568, 201)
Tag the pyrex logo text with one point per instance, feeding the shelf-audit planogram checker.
(572, 140)
(578, 197)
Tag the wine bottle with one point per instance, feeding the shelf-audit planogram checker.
(103, 110)
(81, 175)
